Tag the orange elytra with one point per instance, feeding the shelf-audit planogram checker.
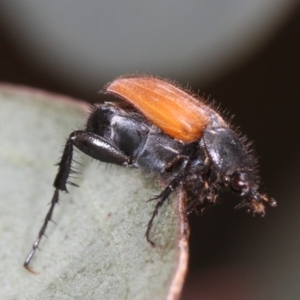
(174, 111)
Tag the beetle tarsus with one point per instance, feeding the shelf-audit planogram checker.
(41, 233)
(150, 223)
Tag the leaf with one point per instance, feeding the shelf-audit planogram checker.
(98, 249)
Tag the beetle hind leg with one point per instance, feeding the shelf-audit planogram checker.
(91, 144)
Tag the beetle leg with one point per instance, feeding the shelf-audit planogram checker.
(198, 194)
(161, 198)
(92, 145)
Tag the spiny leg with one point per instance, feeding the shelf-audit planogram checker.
(92, 145)
(60, 182)
(197, 194)
(42, 231)
(197, 184)
(161, 198)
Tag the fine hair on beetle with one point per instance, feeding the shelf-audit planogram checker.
(167, 132)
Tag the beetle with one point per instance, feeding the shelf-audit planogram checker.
(163, 129)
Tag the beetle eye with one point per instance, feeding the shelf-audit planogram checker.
(240, 182)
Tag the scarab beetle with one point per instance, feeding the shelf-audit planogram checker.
(160, 128)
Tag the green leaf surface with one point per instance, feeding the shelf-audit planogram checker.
(97, 250)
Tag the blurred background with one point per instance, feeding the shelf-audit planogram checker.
(243, 54)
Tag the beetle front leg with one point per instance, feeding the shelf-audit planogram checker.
(91, 144)
(163, 196)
